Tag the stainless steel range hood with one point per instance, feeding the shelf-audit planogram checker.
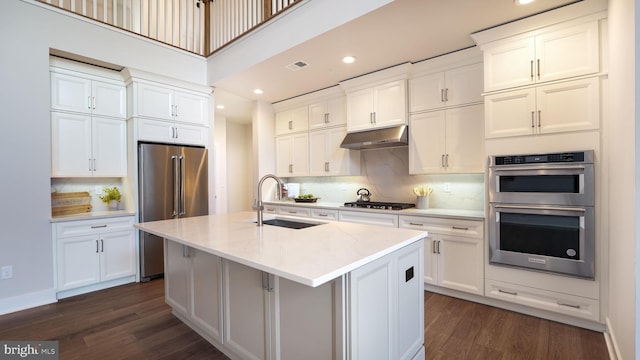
(376, 139)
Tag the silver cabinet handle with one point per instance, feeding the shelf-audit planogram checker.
(323, 215)
(89, 102)
(442, 160)
(175, 129)
(267, 281)
(93, 102)
(174, 168)
(374, 117)
(183, 180)
(533, 114)
(326, 118)
(508, 292)
(326, 166)
(290, 124)
(415, 224)
(433, 247)
(446, 160)
(460, 228)
(542, 207)
(97, 247)
(538, 69)
(575, 306)
(90, 165)
(290, 168)
(531, 70)
(371, 118)
(99, 226)
(539, 117)
(446, 94)
(176, 110)
(185, 251)
(438, 246)
(101, 245)
(442, 95)
(94, 164)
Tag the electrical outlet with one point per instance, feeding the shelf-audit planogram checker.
(6, 272)
(98, 190)
(447, 187)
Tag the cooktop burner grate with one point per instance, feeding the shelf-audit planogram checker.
(379, 205)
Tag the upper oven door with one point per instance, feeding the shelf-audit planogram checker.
(548, 184)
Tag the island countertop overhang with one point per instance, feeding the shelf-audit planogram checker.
(310, 256)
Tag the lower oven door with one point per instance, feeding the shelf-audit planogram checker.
(548, 238)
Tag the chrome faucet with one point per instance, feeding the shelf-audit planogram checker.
(258, 205)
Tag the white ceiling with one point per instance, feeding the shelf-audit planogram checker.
(402, 31)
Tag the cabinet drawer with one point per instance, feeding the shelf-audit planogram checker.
(271, 209)
(86, 227)
(324, 214)
(466, 228)
(369, 218)
(542, 299)
(294, 211)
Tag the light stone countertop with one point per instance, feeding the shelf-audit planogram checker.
(432, 212)
(310, 256)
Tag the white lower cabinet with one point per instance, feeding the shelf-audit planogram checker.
(94, 254)
(294, 211)
(453, 252)
(193, 287)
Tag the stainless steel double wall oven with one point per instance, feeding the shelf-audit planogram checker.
(542, 212)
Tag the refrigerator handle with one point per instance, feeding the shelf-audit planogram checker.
(174, 170)
(181, 204)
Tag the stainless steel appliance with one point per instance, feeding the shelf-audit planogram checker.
(541, 213)
(173, 183)
(379, 205)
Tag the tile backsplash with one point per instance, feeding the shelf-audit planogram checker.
(385, 172)
(64, 185)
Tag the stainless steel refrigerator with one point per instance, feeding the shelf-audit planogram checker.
(172, 184)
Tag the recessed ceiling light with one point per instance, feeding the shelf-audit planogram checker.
(258, 91)
(220, 106)
(348, 59)
(523, 2)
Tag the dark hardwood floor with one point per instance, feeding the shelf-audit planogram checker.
(133, 322)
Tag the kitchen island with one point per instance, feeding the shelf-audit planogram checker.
(335, 290)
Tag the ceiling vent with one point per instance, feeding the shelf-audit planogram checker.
(297, 65)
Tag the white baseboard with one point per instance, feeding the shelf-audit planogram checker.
(27, 301)
(612, 344)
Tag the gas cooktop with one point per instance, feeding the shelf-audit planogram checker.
(379, 205)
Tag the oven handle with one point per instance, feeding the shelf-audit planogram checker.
(544, 207)
(545, 167)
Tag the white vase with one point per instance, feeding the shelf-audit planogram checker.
(423, 202)
(114, 205)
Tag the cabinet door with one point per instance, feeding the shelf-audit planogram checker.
(430, 260)
(568, 106)
(71, 145)
(337, 110)
(176, 276)
(109, 99)
(359, 110)
(284, 122)
(300, 118)
(154, 130)
(464, 85)
(318, 115)
(509, 63)
(284, 167)
(426, 92)
(465, 139)
(117, 250)
(300, 155)
(390, 107)
(318, 143)
(370, 218)
(510, 114)
(410, 296)
(190, 108)
(340, 161)
(78, 261)
(427, 142)
(155, 102)
(206, 288)
(189, 135)
(460, 263)
(244, 311)
(109, 147)
(568, 52)
(70, 93)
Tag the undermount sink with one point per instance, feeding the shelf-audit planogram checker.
(289, 223)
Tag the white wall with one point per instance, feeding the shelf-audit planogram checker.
(620, 148)
(239, 167)
(27, 32)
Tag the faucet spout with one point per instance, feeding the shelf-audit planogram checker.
(258, 204)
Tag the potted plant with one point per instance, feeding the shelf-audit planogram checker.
(111, 196)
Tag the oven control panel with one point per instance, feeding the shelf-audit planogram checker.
(567, 157)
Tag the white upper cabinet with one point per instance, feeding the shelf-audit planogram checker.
(292, 120)
(292, 155)
(447, 141)
(327, 158)
(557, 107)
(84, 146)
(556, 54)
(169, 103)
(328, 113)
(458, 86)
(380, 106)
(77, 93)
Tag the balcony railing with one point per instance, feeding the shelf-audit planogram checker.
(198, 26)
